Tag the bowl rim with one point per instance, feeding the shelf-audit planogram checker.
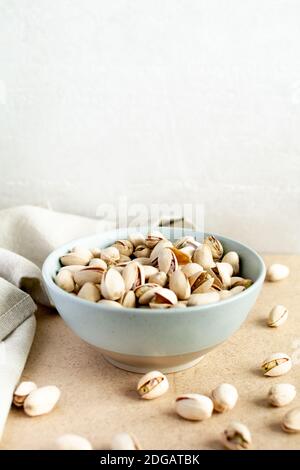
(48, 279)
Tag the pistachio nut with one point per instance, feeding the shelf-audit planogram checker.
(153, 238)
(277, 316)
(281, 394)
(204, 257)
(224, 397)
(236, 437)
(215, 246)
(240, 281)
(89, 274)
(167, 261)
(164, 296)
(144, 261)
(201, 282)
(125, 247)
(22, 391)
(159, 278)
(225, 294)
(188, 251)
(125, 441)
(110, 303)
(136, 238)
(291, 420)
(188, 241)
(98, 263)
(191, 268)
(232, 258)
(277, 364)
(112, 285)
(277, 272)
(179, 283)
(133, 275)
(203, 299)
(128, 300)
(83, 251)
(72, 442)
(224, 271)
(237, 290)
(142, 251)
(141, 290)
(148, 295)
(64, 279)
(110, 255)
(77, 258)
(181, 256)
(41, 400)
(156, 250)
(218, 284)
(72, 268)
(152, 385)
(150, 271)
(89, 292)
(194, 407)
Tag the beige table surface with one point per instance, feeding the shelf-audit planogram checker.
(99, 400)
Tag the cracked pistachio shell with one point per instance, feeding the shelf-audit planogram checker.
(136, 238)
(203, 256)
(291, 420)
(203, 299)
(156, 250)
(164, 296)
(215, 246)
(22, 391)
(64, 279)
(281, 394)
(236, 437)
(152, 385)
(233, 259)
(194, 407)
(188, 241)
(240, 281)
(224, 397)
(159, 278)
(89, 292)
(179, 283)
(72, 442)
(277, 272)
(125, 247)
(144, 261)
(167, 261)
(153, 238)
(125, 441)
(201, 282)
(277, 316)
(110, 254)
(142, 251)
(182, 257)
(276, 364)
(225, 271)
(112, 285)
(128, 300)
(191, 268)
(96, 252)
(89, 274)
(133, 275)
(42, 400)
(98, 263)
(110, 303)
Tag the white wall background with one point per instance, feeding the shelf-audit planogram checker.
(159, 100)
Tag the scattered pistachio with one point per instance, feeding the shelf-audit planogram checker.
(276, 364)
(291, 421)
(22, 391)
(41, 400)
(194, 407)
(236, 437)
(224, 397)
(281, 394)
(277, 272)
(72, 442)
(277, 316)
(152, 385)
(125, 441)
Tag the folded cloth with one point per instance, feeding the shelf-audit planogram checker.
(27, 235)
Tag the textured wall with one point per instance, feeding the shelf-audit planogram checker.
(162, 100)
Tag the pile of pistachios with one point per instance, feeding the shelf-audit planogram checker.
(153, 272)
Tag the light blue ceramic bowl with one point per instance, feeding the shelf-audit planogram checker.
(140, 340)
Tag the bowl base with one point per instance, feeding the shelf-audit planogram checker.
(144, 369)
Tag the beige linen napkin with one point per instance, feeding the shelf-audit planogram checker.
(27, 235)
